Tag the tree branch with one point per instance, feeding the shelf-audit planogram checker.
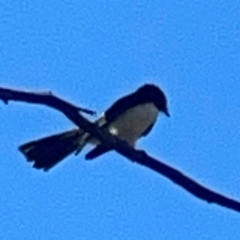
(72, 112)
(44, 98)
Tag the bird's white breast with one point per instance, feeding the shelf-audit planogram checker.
(130, 125)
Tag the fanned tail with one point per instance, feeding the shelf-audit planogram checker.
(49, 151)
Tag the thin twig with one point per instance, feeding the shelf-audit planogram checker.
(44, 98)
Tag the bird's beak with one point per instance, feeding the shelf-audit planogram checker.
(166, 112)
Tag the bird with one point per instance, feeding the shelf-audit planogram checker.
(129, 118)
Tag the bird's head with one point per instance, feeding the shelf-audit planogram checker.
(153, 93)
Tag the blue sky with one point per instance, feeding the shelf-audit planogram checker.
(91, 54)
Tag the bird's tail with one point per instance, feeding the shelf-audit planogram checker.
(48, 151)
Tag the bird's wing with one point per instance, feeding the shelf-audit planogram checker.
(97, 151)
(122, 105)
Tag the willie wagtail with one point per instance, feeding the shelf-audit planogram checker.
(129, 118)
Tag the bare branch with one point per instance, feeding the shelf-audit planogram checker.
(72, 112)
(44, 98)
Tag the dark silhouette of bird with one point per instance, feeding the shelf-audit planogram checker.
(129, 118)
